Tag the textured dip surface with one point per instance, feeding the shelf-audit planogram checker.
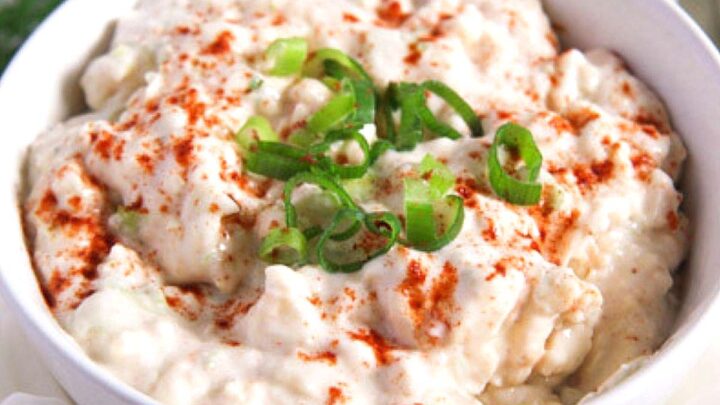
(144, 227)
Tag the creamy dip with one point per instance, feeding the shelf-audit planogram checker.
(145, 228)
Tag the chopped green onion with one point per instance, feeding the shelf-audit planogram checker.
(342, 216)
(378, 148)
(316, 64)
(423, 199)
(427, 242)
(287, 56)
(361, 189)
(458, 104)
(332, 114)
(319, 179)
(350, 231)
(303, 138)
(362, 88)
(286, 246)
(385, 225)
(256, 128)
(520, 192)
(433, 218)
(436, 126)
(415, 114)
(340, 170)
(440, 178)
(420, 224)
(277, 160)
(312, 232)
(384, 120)
(410, 99)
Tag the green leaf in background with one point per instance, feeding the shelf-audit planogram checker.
(18, 18)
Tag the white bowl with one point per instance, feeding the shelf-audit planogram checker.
(657, 39)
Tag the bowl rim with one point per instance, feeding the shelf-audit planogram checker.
(33, 321)
(694, 337)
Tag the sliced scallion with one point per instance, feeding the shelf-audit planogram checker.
(286, 246)
(385, 225)
(315, 66)
(343, 171)
(461, 107)
(410, 99)
(332, 114)
(430, 243)
(526, 191)
(256, 128)
(425, 196)
(319, 179)
(286, 56)
(277, 160)
(378, 148)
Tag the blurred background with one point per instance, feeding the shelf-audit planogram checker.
(17, 20)
(19, 17)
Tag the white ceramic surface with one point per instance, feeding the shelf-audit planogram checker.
(661, 44)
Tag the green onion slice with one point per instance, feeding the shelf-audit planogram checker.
(303, 138)
(421, 228)
(383, 224)
(334, 113)
(424, 198)
(316, 65)
(287, 56)
(384, 120)
(361, 189)
(516, 191)
(341, 170)
(362, 88)
(256, 128)
(435, 125)
(277, 160)
(458, 104)
(378, 148)
(410, 98)
(439, 178)
(286, 246)
(319, 179)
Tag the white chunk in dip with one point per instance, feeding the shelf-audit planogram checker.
(145, 227)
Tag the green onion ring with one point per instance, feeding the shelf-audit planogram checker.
(382, 224)
(334, 113)
(441, 179)
(316, 63)
(277, 160)
(286, 246)
(321, 180)
(287, 56)
(384, 121)
(343, 171)
(426, 242)
(507, 187)
(436, 126)
(363, 89)
(458, 104)
(378, 148)
(410, 99)
(256, 128)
